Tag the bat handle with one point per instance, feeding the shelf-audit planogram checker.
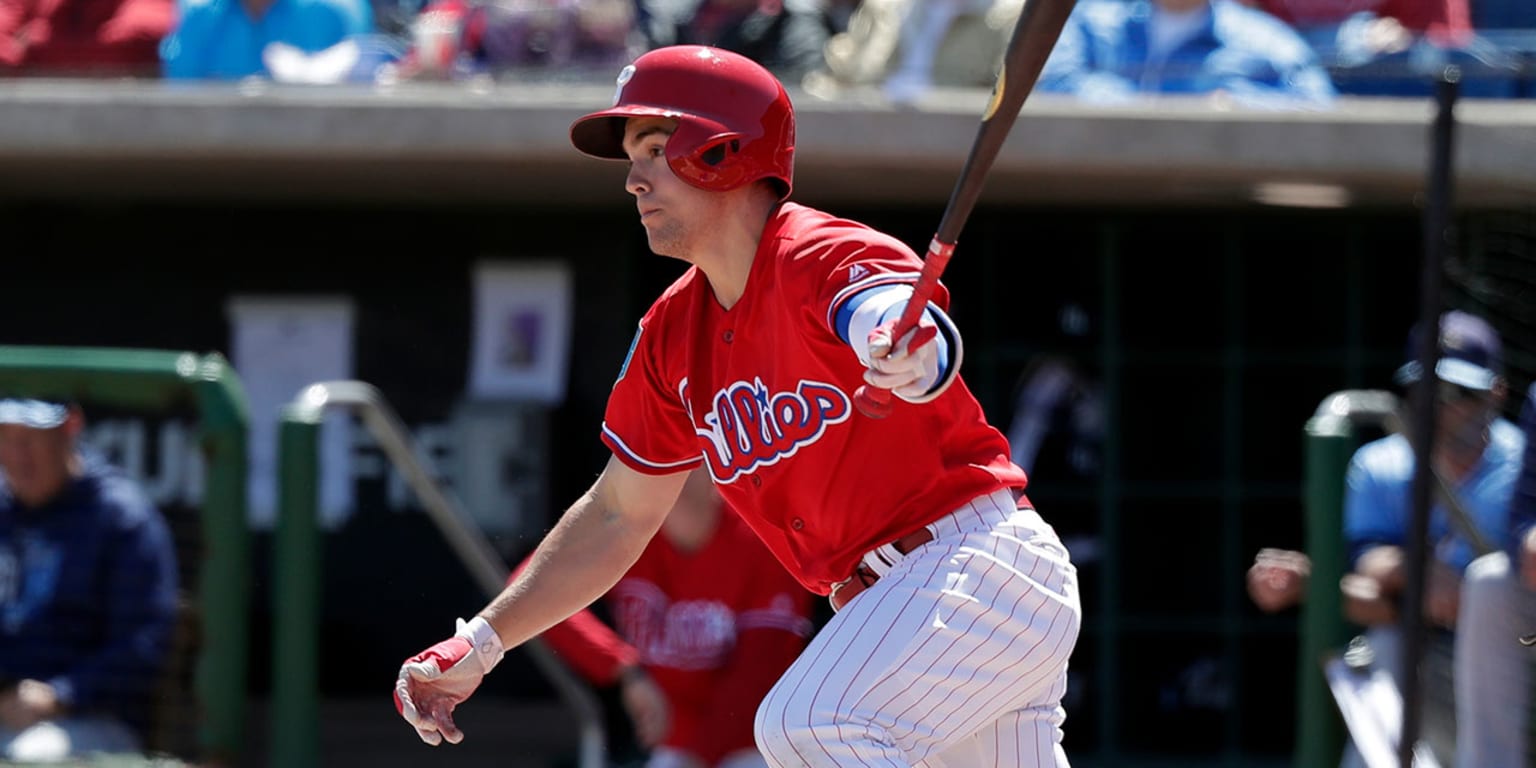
(875, 402)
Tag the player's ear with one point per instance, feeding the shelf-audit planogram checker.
(74, 421)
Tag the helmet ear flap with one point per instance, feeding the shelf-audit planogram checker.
(711, 163)
(716, 153)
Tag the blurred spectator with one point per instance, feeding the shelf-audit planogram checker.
(83, 37)
(1478, 454)
(393, 18)
(1445, 21)
(908, 46)
(1112, 51)
(786, 36)
(455, 38)
(87, 592)
(308, 40)
(1395, 47)
(707, 622)
(1372, 60)
(926, 27)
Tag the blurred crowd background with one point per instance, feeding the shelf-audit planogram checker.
(1285, 52)
(1155, 361)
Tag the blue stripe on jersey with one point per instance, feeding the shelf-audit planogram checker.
(853, 289)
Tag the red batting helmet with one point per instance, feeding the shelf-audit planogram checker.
(735, 122)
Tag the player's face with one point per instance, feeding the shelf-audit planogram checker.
(674, 213)
(35, 462)
(1464, 416)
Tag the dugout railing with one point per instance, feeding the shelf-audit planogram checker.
(296, 564)
(163, 381)
(1331, 436)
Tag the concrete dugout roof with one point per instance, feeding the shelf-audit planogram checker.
(420, 143)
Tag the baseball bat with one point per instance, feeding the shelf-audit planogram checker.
(1034, 35)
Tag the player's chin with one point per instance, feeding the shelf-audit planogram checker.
(664, 246)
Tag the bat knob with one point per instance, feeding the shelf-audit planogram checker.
(872, 401)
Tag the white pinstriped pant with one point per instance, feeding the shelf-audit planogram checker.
(957, 658)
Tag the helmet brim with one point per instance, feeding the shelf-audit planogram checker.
(601, 134)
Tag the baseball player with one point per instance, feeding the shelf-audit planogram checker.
(707, 620)
(957, 604)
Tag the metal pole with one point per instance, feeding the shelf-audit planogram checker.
(466, 539)
(296, 587)
(1437, 233)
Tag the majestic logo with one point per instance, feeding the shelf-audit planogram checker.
(749, 427)
(857, 272)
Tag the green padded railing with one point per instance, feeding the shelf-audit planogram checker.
(160, 381)
(1330, 442)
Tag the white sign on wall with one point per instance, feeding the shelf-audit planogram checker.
(279, 345)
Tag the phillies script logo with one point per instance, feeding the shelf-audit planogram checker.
(751, 427)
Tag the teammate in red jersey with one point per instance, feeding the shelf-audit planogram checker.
(707, 620)
(958, 605)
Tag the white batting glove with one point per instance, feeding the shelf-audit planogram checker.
(910, 368)
(916, 368)
(433, 682)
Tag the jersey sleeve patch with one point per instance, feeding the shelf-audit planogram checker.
(630, 355)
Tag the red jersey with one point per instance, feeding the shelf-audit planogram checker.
(1443, 20)
(762, 394)
(84, 37)
(715, 628)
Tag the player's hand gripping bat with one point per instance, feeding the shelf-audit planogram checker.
(1039, 25)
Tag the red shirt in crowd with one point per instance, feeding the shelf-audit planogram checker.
(84, 37)
(1443, 20)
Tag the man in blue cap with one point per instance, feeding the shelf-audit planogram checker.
(1476, 454)
(88, 588)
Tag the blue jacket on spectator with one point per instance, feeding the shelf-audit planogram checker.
(88, 587)
(1105, 55)
(219, 39)
(1377, 500)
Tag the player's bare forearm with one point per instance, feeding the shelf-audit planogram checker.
(595, 542)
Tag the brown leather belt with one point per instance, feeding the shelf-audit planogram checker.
(864, 577)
